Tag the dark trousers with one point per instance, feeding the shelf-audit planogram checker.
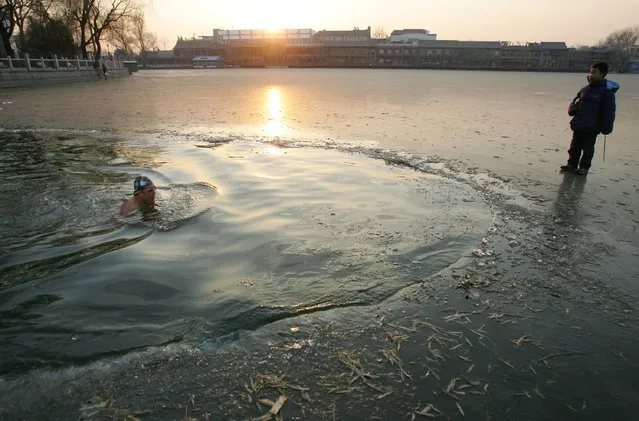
(582, 142)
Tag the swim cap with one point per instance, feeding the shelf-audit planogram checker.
(140, 183)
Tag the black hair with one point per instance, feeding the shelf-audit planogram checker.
(602, 67)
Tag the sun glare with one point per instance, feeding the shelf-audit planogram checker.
(275, 112)
(273, 15)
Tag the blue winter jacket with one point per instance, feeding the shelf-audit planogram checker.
(593, 109)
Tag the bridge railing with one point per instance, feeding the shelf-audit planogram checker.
(28, 64)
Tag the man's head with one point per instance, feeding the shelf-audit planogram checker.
(144, 189)
(598, 72)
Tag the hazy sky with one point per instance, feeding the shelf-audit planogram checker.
(573, 21)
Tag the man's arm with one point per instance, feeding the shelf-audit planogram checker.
(608, 113)
(574, 105)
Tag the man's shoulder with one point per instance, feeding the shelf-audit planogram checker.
(584, 89)
(128, 207)
(593, 90)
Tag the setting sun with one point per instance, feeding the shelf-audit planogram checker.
(274, 15)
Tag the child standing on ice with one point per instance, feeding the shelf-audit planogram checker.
(592, 112)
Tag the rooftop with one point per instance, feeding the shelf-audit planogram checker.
(459, 44)
(195, 43)
(160, 54)
(368, 43)
(207, 58)
(410, 31)
(553, 45)
(355, 31)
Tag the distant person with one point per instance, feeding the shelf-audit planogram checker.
(592, 112)
(143, 197)
(105, 71)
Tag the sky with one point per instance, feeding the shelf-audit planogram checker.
(577, 22)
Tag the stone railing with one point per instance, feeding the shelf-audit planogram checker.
(28, 64)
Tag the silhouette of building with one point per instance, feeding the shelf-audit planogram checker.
(405, 48)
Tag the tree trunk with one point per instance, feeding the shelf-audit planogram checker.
(6, 31)
(6, 45)
(22, 38)
(83, 42)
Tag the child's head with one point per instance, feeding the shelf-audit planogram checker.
(597, 72)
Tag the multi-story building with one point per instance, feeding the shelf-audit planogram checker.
(412, 48)
(582, 58)
(473, 55)
(438, 54)
(539, 56)
(348, 54)
(299, 48)
(256, 53)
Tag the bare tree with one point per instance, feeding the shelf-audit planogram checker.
(78, 12)
(104, 15)
(94, 19)
(380, 33)
(145, 40)
(21, 10)
(121, 36)
(620, 43)
(7, 26)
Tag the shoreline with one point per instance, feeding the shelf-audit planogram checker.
(377, 67)
(35, 79)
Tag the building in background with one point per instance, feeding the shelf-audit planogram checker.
(299, 47)
(354, 35)
(288, 36)
(186, 49)
(580, 59)
(452, 54)
(208, 62)
(158, 58)
(405, 48)
(411, 35)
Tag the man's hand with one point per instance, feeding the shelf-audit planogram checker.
(574, 105)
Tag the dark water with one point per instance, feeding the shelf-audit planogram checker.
(246, 234)
(265, 260)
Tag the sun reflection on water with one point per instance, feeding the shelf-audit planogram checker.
(275, 112)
